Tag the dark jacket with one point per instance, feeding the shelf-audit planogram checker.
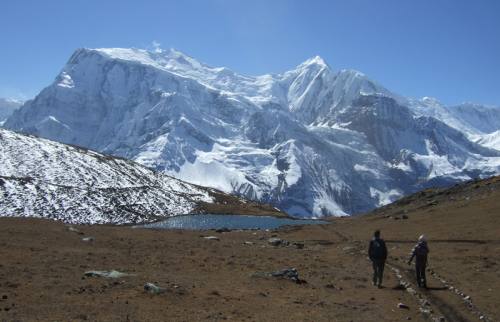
(377, 249)
(420, 252)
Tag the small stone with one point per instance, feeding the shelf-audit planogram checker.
(403, 306)
(425, 311)
(153, 289)
(74, 230)
(211, 238)
(106, 274)
(88, 239)
(4, 297)
(298, 245)
(274, 241)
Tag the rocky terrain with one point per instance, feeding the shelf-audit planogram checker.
(313, 141)
(46, 179)
(46, 268)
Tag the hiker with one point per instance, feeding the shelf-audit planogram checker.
(420, 252)
(378, 254)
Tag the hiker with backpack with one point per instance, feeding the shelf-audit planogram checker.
(377, 252)
(420, 252)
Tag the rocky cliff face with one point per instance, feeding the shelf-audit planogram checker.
(311, 141)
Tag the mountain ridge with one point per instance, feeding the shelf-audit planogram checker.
(311, 141)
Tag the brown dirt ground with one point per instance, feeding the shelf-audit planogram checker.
(42, 265)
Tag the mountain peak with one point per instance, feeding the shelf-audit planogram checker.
(431, 101)
(315, 61)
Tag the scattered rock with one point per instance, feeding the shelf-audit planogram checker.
(153, 289)
(275, 241)
(403, 306)
(298, 245)
(212, 238)
(425, 311)
(248, 243)
(223, 230)
(287, 273)
(404, 217)
(106, 274)
(88, 239)
(74, 230)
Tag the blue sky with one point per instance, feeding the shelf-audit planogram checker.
(449, 49)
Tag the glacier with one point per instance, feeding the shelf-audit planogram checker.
(312, 141)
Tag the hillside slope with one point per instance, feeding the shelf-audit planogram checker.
(42, 178)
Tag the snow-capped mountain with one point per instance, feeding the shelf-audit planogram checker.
(467, 117)
(312, 141)
(7, 107)
(42, 178)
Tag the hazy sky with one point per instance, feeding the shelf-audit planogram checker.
(449, 49)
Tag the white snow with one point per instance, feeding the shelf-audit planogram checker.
(311, 140)
(41, 178)
(385, 197)
(66, 81)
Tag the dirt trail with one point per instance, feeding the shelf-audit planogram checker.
(442, 302)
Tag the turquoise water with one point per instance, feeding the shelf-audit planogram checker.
(208, 221)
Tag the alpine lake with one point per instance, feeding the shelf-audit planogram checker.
(232, 222)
